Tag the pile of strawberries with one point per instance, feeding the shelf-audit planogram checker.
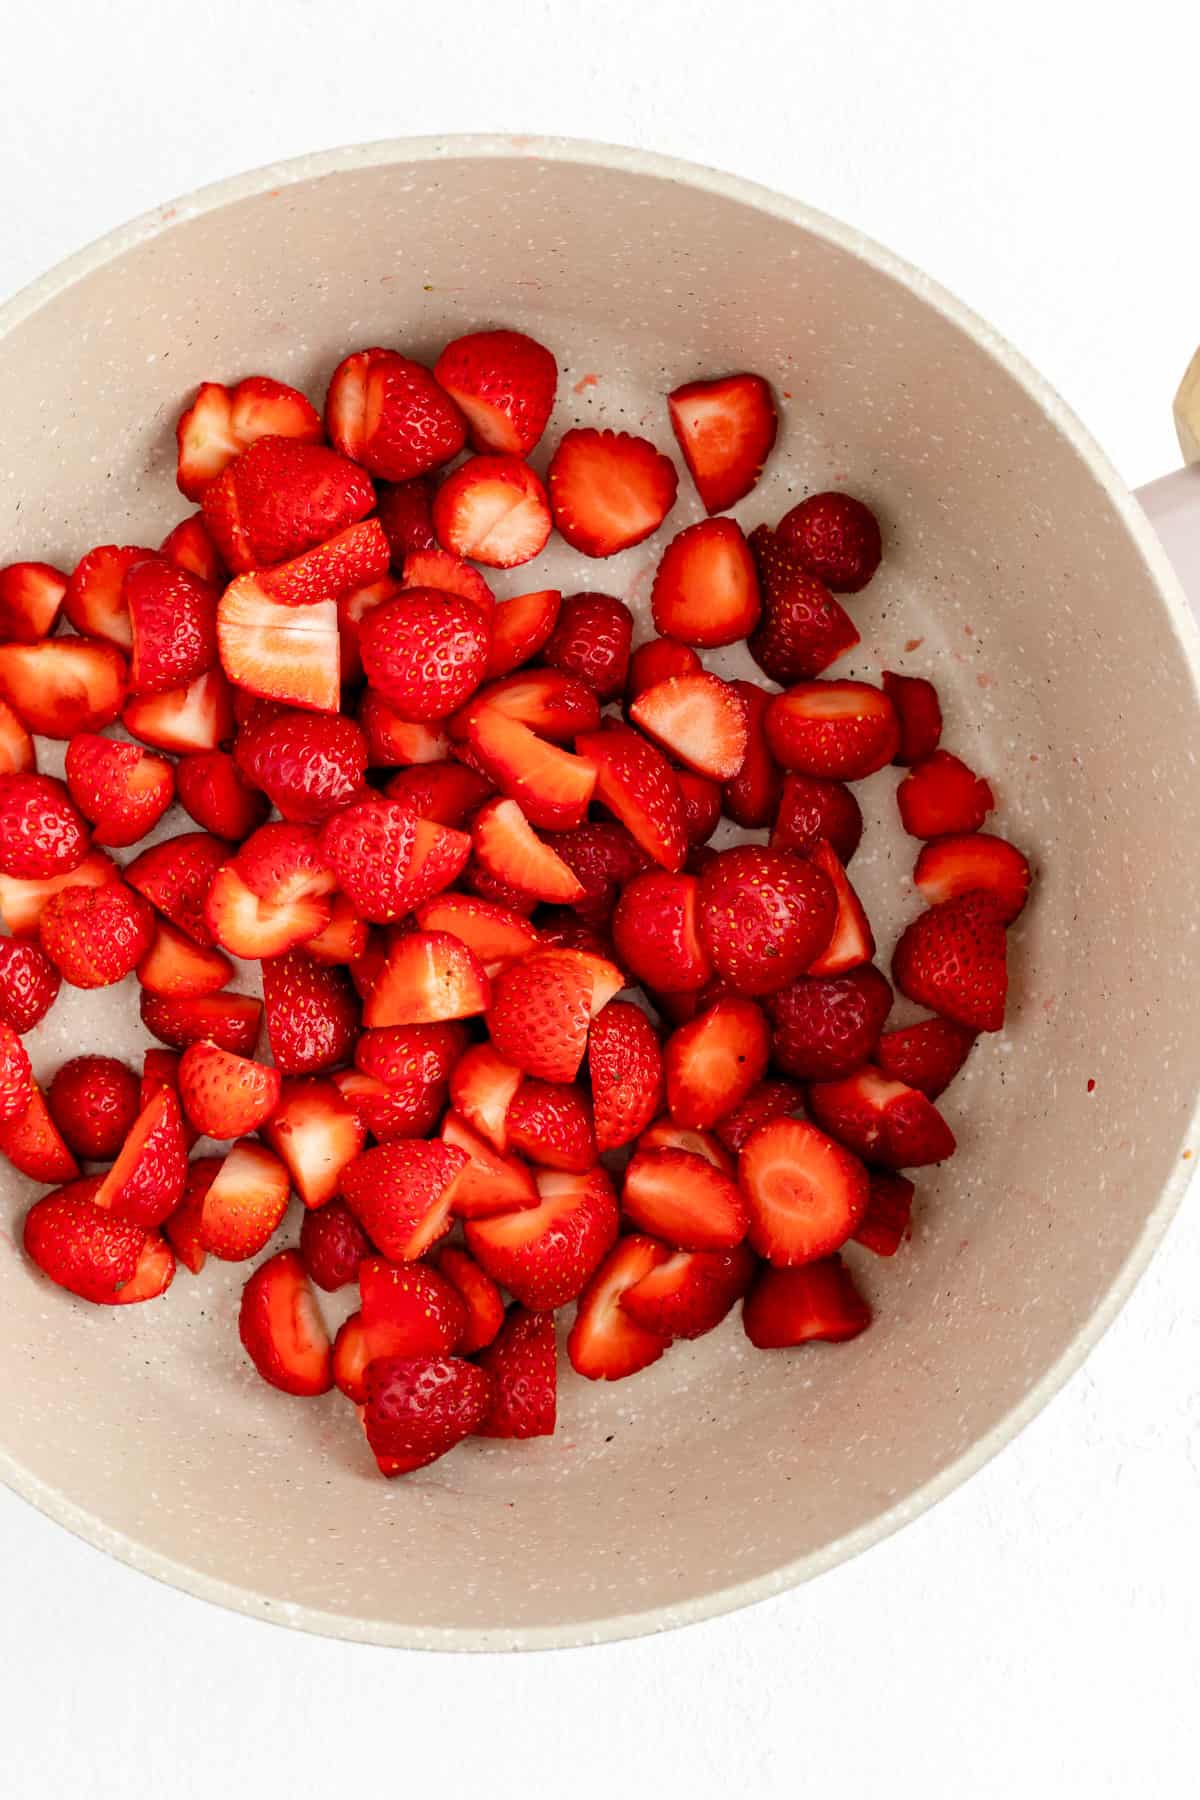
(452, 831)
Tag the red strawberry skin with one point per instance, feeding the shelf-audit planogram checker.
(370, 848)
(691, 1292)
(882, 1121)
(405, 511)
(836, 537)
(312, 1013)
(811, 808)
(545, 1254)
(174, 621)
(826, 1026)
(332, 1244)
(389, 414)
(539, 1015)
(656, 932)
(419, 1407)
(175, 877)
(307, 764)
(952, 958)
(41, 831)
(123, 789)
(230, 1020)
(29, 984)
(504, 383)
(279, 498)
(626, 1068)
(752, 797)
(522, 1361)
(87, 1251)
(817, 1301)
(765, 916)
(94, 1101)
(591, 640)
(919, 712)
(927, 1055)
(95, 936)
(214, 791)
(803, 628)
(941, 795)
(16, 1076)
(426, 652)
(636, 782)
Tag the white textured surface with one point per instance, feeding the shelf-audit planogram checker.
(1039, 1628)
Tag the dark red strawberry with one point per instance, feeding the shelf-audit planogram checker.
(811, 808)
(803, 628)
(927, 1055)
(787, 1307)
(312, 1013)
(765, 916)
(691, 1292)
(953, 959)
(405, 511)
(835, 536)
(884, 1121)
(523, 1364)
(419, 1407)
(885, 1224)
(826, 1026)
(657, 935)
(919, 712)
(941, 795)
(769, 1100)
(591, 640)
(279, 497)
(751, 797)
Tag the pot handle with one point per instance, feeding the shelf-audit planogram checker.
(1172, 503)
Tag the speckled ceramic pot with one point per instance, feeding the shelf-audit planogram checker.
(1019, 574)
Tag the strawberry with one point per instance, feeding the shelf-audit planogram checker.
(665, 1134)
(31, 597)
(494, 510)
(273, 895)
(941, 796)
(231, 1020)
(281, 1327)
(16, 1076)
(974, 863)
(706, 589)
(420, 1407)
(591, 641)
(279, 652)
(29, 984)
(701, 805)
(765, 916)
(94, 1101)
(544, 1254)
(413, 1056)
(480, 1296)
(350, 1359)
(504, 383)
(350, 560)
(222, 421)
(197, 717)
(852, 942)
(405, 510)
(17, 754)
(843, 730)
(63, 685)
(389, 414)
(606, 1343)
(32, 1143)
(522, 1362)
(885, 1224)
(658, 659)
(369, 847)
(95, 935)
(919, 712)
(408, 1309)
(345, 937)
(316, 1134)
(493, 933)
(549, 1123)
(146, 1181)
(94, 602)
(751, 796)
(811, 808)
(561, 928)
(713, 1061)
(160, 1069)
(826, 1026)
(625, 1067)
(608, 490)
(952, 959)
(786, 1307)
(726, 429)
(448, 574)
(392, 740)
(482, 882)
(244, 1203)
(482, 1086)
(447, 792)
(175, 877)
(927, 1055)
(541, 1009)
(836, 537)
(684, 1200)
(427, 976)
(353, 605)
(656, 931)
(521, 625)
(190, 546)
(553, 703)
(425, 652)
(551, 786)
(225, 1096)
(386, 1113)
(212, 788)
(278, 498)
(121, 788)
(41, 833)
(490, 1183)
(636, 783)
(311, 1012)
(401, 1192)
(803, 629)
(886, 1121)
(85, 1250)
(698, 720)
(332, 1244)
(22, 903)
(806, 1193)
(183, 1229)
(173, 620)
(508, 847)
(690, 1292)
(769, 1100)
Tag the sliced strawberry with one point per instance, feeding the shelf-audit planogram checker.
(811, 808)
(94, 602)
(190, 546)
(427, 976)
(221, 421)
(409, 1309)
(885, 1224)
(175, 877)
(769, 1100)
(656, 931)
(231, 1020)
(413, 1056)
(121, 788)
(490, 1183)
(146, 1182)
(591, 641)
(551, 786)
(95, 936)
(806, 1192)
(494, 510)
(197, 717)
(226, 1096)
(41, 832)
(312, 1013)
(552, 702)
(273, 895)
(665, 1134)
(835, 536)
(160, 1069)
(713, 1061)
(852, 942)
(522, 1362)
(389, 414)
(405, 511)
(953, 959)
(316, 1134)
(883, 1120)
(85, 1250)
(174, 964)
(448, 574)
(941, 796)
(551, 1124)
(698, 720)
(701, 806)
(842, 730)
(726, 429)
(927, 1055)
(29, 982)
(625, 1067)
(636, 783)
(353, 605)
(765, 915)
(17, 754)
(497, 936)
(541, 1009)
(974, 863)
(31, 597)
(803, 629)
(790, 1306)
(544, 1254)
(280, 652)
(482, 1086)
(173, 620)
(213, 790)
(345, 937)
(349, 560)
(281, 1327)
(684, 1200)
(307, 764)
(480, 1295)
(521, 625)
(609, 490)
(504, 383)
(507, 846)
(393, 741)
(606, 1342)
(63, 685)
(751, 797)
(244, 1203)
(919, 712)
(426, 652)
(22, 903)
(447, 792)
(420, 1407)
(658, 660)
(691, 1292)
(33, 1143)
(825, 1026)
(278, 498)
(706, 589)
(388, 1113)
(401, 1194)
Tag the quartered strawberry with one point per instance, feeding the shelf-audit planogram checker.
(411, 1055)
(175, 877)
(420, 1407)
(697, 719)
(183, 1229)
(851, 942)
(701, 805)
(189, 545)
(551, 702)
(316, 1134)
(482, 1085)
(608, 490)
(494, 510)
(551, 786)
(448, 574)
(17, 753)
(350, 560)
(684, 1200)
(196, 717)
(591, 640)
(426, 977)
(123, 789)
(919, 712)
(389, 414)
(541, 1009)
(222, 421)
(750, 797)
(606, 1342)
(806, 1192)
(625, 1067)
(29, 983)
(231, 1020)
(447, 792)
(401, 1194)
(885, 1224)
(544, 1254)
(826, 1026)
(793, 1306)
(408, 1309)
(835, 536)
(974, 863)
(369, 847)
(388, 1113)
(281, 1327)
(94, 602)
(345, 937)
(521, 625)
(940, 796)
(393, 741)
(496, 935)
(882, 1120)
(769, 1100)
(160, 1069)
(286, 653)
(312, 1013)
(504, 383)
(657, 660)
(522, 1361)
(94, 1101)
(952, 958)
(690, 1292)
(31, 597)
(426, 652)
(481, 1297)
(33, 1144)
(212, 788)
(353, 605)
(603, 857)
(638, 786)
(173, 621)
(927, 1055)
(665, 1134)
(714, 1060)
(812, 808)
(405, 510)
(273, 895)
(63, 685)
(551, 1124)
(307, 764)
(490, 1183)
(145, 1183)
(726, 429)
(706, 589)
(22, 903)
(96, 935)
(244, 1203)
(223, 1095)
(765, 916)
(842, 730)
(85, 1250)
(278, 498)
(803, 629)
(507, 847)
(16, 1076)
(41, 832)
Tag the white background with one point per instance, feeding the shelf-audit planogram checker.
(1038, 1632)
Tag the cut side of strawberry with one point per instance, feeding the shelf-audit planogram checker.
(698, 720)
(63, 685)
(713, 1061)
(545, 1253)
(31, 597)
(706, 589)
(490, 1183)
(507, 846)
(608, 490)
(401, 1194)
(551, 786)
(689, 1293)
(840, 730)
(482, 1086)
(882, 1120)
(222, 421)
(504, 383)
(852, 942)
(316, 1134)
(496, 935)
(273, 895)
(885, 1224)
(521, 625)
(190, 546)
(941, 796)
(146, 1182)
(726, 430)
(482, 1298)
(665, 1134)
(427, 976)
(974, 863)
(684, 1201)
(927, 1055)
(638, 786)
(231, 1020)
(494, 510)
(94, 603)
(658, 660)
(919, 712)
(806, 1192)
(282, 1330)
(244, 1202)
(22, 903)
(17, 754)
(280, 652)
(395, 742)
(551, 702)
(787, 1307)
(193, 718)
(606, 1342)
(34, 1145)
(174, 964)
(448, 573)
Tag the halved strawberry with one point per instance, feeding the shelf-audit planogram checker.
(63, 685)
(349, 560)
(425, 651)
(279, 498)
(308, 764)
(811, 808)
(765, 915)
(482, 1085)
(409, 1309)
(490, 1182)
(551, 1124)
(317, 1134)
(405, 511)
(494, 510)
(353, 605)
(656, 931)
(273, 895)
(94, 602)
(31, 597)
(401, 1194)
(825, 1026)
(851, 942)
(244, 1202)
(175, 877)
(606, 1342)
(927, 1055)
(496, 935)
(713, 1061)
(625, 1067)
(85, 1250)
(507, 846)
(520, 627)
(697, 719)
(637, 785)
(350, 1359)
(658, 660)
(806, 1192)
(552, 702)
(231, 1020)
(545, 1253)
(837, 537)
(769, 1100)
(393, 741)
(883, 1120)
(480, 1296)
(213, 790)
(419, 1407)
(504, 382)
(427, 976)
(684, 1200)
(974, 863)
(842, 730)
(952, 958)
(223, 1095)
(941, 796)
(33, 1143)
(449, 793)
(706, 588)
(803, 629)
(121, 788)
(389, 414)
(281, 1327)
(173, 621)
(29, 982)
(919, 712)
(196, 717)
(312, 1013)
(17, 753)
(786, 1307)
(345, 937)
(665, 1134)
(146, 1182)
(160, 1069)
(280, 652)
(726, 429)
(591, 642)
(449, 574)
(189, 545)
(221, 421)
(551, 786)
(332, 1245)
(884, 1226)
(541, 1009)
(175, 964)
(609, 490)
(691, 1292)
(751, 797)
(522, 1362)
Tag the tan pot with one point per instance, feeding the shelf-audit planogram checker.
(1047, 613)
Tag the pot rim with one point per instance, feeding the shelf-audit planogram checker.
(452, 146)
